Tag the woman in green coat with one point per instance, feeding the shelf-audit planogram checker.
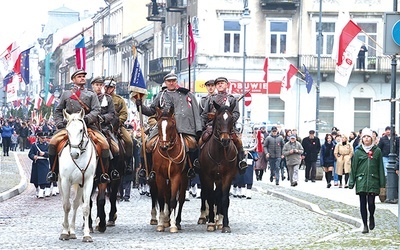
(367, 174)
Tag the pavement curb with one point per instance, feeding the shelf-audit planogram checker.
(18, 189)
(313, 207)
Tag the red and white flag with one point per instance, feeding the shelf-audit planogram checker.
(345, 48)
(192, 45)
(80, 53)
(38, 102)
(286, 85)
(266, 70)
(49, 100)
(8, 58)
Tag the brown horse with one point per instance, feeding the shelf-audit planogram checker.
(168, 160)
(218, 161)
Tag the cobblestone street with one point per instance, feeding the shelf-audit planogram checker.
(263, 222)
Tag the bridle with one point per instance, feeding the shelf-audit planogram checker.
(82, 146)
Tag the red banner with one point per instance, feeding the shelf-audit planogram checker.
(254, 87)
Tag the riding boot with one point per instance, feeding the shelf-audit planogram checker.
(52, 176)
(142, 173)
(192, 157)
(105, 178)
(152, 174)
(242, 164)
(129, 167)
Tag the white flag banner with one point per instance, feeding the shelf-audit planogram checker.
(12, 89)
(343, 72)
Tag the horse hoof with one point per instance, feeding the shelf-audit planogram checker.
(101, 229)
(211, 227)
(167, 224)
(110, 223)
(64, 237)
(173, 230)
(201, 221)
(87, 239)
(160, 229)
(153, 222)
(219, 226)
(226, 230)
(72, 236)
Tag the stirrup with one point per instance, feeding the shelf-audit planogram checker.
(191, 173)
(115, 175)
(152, 176)
(242, 167)
(105, 178)
(51, 177)
(142, 173)
(196, 163)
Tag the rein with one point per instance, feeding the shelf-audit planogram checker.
(82, 148)
(174, 160)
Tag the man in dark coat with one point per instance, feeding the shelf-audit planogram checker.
(312, 146)
(187, 114)
(40, 165)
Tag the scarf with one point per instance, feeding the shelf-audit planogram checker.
(367, 148)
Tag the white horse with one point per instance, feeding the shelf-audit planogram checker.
(77, 164)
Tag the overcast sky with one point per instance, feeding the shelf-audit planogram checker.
(23, 18)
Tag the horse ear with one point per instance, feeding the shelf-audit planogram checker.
(65, 114)
(216, 105)
(81, 113)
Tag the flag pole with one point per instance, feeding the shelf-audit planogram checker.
(139, 93)
(188, 40)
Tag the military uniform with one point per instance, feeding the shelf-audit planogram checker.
(207, 116)
(122, 112)
(107, 113)
(70, 103)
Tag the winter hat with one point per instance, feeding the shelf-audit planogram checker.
(366, 131)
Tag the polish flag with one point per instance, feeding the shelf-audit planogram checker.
(345, 48)
(286, 86)
(49, 100)
(266, 70)
(38, 102)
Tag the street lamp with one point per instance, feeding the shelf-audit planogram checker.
(244, 22)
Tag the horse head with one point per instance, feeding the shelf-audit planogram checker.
(166, 127)
(77, 133)
(223, 123)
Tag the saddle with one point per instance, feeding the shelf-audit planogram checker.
(112, 142)
(189, 141)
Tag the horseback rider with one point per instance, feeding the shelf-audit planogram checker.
(107, 118)
(73, 101)
(210, 85)
(122, 113)
(222, 98)
(188, 120)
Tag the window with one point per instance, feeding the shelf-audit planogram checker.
(276, 110)
(370, 55)
(278, 31)
(362, 113)
(326, 113)
(328, 35)
(231, 36)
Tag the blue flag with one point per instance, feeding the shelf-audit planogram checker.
(137, 84)
(25, 65)
(8, 78)
(308, 79)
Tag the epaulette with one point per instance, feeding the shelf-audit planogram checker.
(183, 90)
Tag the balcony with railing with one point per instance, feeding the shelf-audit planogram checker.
(271, 5)
(159, 67)
(156, 12)
(176, 5)
(378, 64)
(110, 41)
